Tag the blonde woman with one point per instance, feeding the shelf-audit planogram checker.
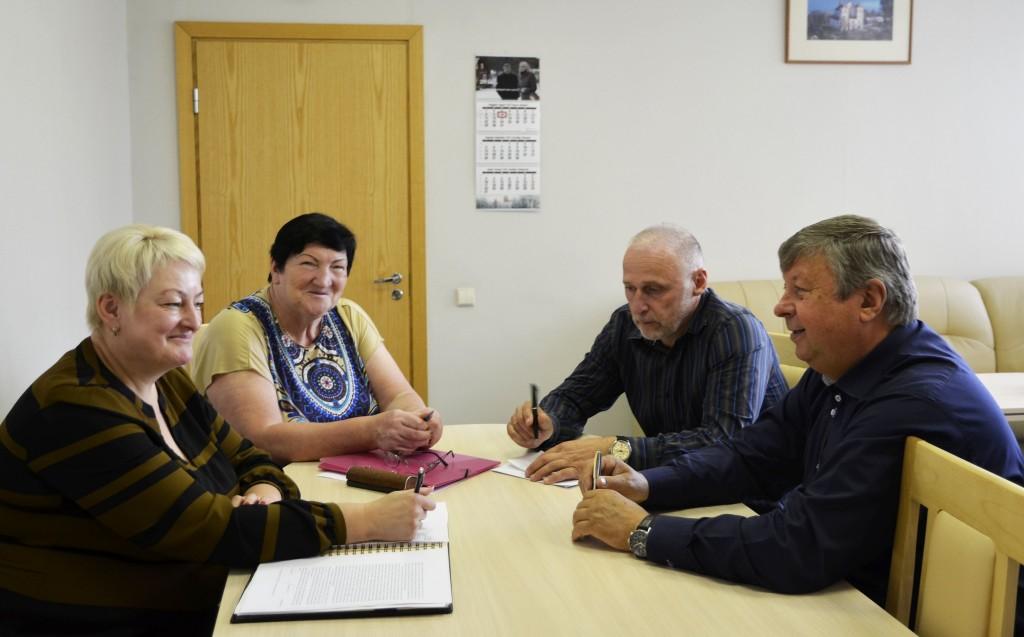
(124, 497)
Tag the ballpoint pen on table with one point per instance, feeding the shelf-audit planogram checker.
(533, 410)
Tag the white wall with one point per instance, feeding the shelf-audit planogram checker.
(679, 110)
(671, 110)
(65, 173)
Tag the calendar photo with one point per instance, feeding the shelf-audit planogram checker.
(507, 133)
(508, 78)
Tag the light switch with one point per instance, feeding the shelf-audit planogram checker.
(465, 297)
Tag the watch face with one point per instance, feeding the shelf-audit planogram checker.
(621, 450)
(638, 542)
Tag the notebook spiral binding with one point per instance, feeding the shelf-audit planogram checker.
(381, 547)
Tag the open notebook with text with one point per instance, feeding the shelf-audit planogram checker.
(376, 578)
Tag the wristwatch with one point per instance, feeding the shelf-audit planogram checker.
(621, 449)
(638, 538)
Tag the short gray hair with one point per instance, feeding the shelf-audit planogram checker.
(678, 240)
(858, 249)
(123, 261)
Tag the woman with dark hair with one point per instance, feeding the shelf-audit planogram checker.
(303, 372)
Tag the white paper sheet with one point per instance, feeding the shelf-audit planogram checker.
(517, 467)
(435, 525)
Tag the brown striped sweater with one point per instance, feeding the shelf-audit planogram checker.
(99, 519)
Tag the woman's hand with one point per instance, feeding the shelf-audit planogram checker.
(403, 431)
(393, 518)
(262, 493)
(434, 424)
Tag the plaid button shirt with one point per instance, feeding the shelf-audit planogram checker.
(716, 379)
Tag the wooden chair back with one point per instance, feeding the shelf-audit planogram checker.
(973, 544)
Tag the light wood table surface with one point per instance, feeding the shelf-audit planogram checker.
(515, 571)
(1008, 390)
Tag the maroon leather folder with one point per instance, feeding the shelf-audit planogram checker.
(455, 467)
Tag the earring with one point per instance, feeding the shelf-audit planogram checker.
(115, 330)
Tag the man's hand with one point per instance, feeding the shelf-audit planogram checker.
(607, 516)
(404, 431)
(568, 460)
(520, 426)
(618, 476)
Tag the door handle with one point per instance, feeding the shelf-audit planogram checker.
(394, 279)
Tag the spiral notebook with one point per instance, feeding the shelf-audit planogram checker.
(354, 580)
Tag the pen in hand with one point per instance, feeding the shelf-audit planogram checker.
(426, 419)
(597, 469)
(419, 480)
(533, 410)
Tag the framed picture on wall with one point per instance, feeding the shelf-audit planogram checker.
(849, 31)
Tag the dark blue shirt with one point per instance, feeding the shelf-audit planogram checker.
(715, 380)
(832, 456)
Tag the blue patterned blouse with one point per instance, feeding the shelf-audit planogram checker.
(321, 383)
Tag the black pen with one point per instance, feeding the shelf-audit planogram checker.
(419, 480)
(533, 410)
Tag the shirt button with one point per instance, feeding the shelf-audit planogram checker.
(839, 398)
(833, 412)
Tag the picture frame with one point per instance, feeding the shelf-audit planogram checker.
(849, 31)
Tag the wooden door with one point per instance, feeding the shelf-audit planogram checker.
(300, 118)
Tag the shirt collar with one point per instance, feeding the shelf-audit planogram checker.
(700, 318)
(868, 372)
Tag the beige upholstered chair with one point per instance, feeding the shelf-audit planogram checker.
(760, 297)
(973, 545)
(1004, 301)
(954, 309)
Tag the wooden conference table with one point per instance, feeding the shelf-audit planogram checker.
(515, 571)
(1008, 390)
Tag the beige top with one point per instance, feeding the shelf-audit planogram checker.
(236, 340)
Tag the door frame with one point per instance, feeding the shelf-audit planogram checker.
(186, 34)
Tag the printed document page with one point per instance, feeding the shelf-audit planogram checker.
(358, 577)
(413, 578)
